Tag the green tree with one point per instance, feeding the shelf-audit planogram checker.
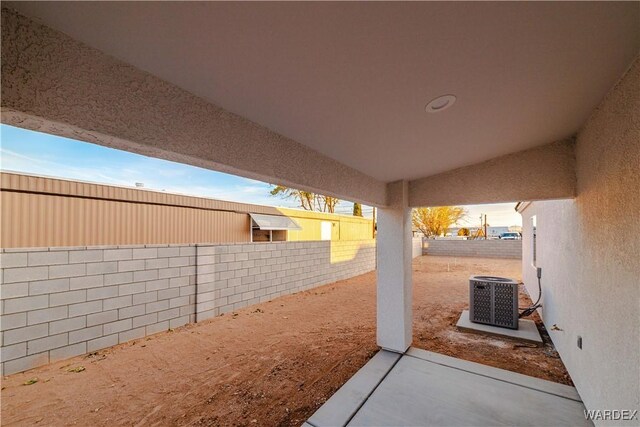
(433, 222)
(357, 209)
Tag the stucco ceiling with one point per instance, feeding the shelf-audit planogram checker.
(351, 80)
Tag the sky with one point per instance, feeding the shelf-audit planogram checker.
(42, 154)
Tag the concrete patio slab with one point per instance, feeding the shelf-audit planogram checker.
(527, 330)
(550, 387)
(428, 389)
(342, 406)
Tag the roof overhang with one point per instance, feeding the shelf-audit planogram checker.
(251, 95)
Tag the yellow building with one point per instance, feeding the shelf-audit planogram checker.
(39, 211)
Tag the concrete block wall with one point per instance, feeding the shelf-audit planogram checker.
(416, 247)
(475, 248)
(57, 303)
(235, 276)
(62, 302)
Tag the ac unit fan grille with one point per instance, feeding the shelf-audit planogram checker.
(493, 301)
(503, 304)
(482, 305)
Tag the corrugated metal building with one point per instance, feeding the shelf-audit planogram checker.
(39, 211)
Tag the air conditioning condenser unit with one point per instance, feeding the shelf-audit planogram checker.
(493, 301)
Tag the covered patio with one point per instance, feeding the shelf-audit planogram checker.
(394, 105)
(424, 388)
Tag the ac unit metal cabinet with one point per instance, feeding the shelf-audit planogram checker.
(493, 301)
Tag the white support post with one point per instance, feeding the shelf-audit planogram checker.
(394, 291)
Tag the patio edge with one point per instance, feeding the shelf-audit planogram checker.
(345, 403)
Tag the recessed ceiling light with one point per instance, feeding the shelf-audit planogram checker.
(440, 103)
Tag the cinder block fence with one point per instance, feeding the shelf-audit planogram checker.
(474, 248)
(61, 302)
(416, 247)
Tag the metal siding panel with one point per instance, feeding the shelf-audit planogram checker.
(73, 221)
(3, 214)
(26, 220)
(47, 204)
(97, 232)
(61, 186)
(147, 222)
(128, 222)
(7, 208)
(50, 220)
(64, 217)
(89, 213)
(54, 219)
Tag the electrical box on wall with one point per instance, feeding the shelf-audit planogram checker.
(493, 301)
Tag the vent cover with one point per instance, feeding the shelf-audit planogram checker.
(493, 301)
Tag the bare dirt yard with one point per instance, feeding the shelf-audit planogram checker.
(271, 364)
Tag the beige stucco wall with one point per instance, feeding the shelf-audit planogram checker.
(546, 172)
(589, 252)
(55, 84)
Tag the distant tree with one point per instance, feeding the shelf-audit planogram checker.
(328, 203)
(433, 222)
(307, 200)
(464, 231)
(357, 209)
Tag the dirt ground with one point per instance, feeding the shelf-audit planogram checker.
(269, 364)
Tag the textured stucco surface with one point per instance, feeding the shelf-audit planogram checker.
(54, 84)
(546, 172)
(330, 76)
(394, 275)
(589, 252)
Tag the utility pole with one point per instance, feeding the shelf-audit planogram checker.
(485, 227)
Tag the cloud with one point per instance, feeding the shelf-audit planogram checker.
(12, 161)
